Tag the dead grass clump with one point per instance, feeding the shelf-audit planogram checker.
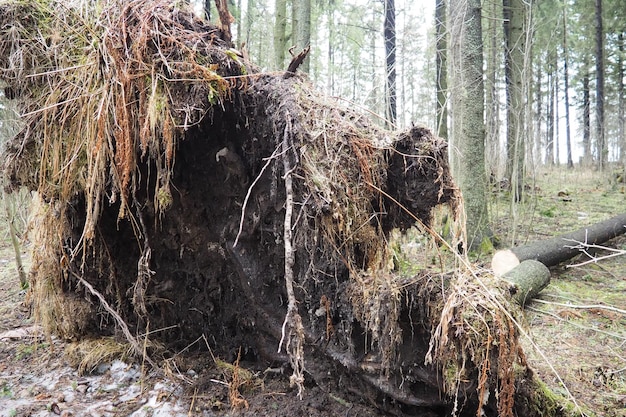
(87, 354)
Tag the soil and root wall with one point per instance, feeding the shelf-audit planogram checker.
(182, 194)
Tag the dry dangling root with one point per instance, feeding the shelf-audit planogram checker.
(476, 341)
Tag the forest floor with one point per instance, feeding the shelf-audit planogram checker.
(577, 325)
(576, 329)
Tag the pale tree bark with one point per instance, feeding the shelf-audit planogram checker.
(248, 20)
(302, 29)
(587, 158)
(515, 14)
(441, 111)
(550, 113)
(601, 147)
(557, 143)
(280, 38)
(492, 103)
(331, 47)
(539, 114)
(373, 101)
(621, 122)
(390, 62)
(240, 43)
(568, 137)
(468, 129)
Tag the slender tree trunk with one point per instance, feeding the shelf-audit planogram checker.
(492, 106)
(238, 28)
(441, 112)
(468, 129)
(557, 143)
(601, 146)
(302, 29)
(621, 122)
(587, 158)
(550, 120)
(568, 137)
(331, 47)
(248, 20)
(374, 99)
(207, 9)
(539, 114)
(390, 61)
(514, 13)
(280, 27)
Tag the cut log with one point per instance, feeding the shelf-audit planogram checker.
(553, 251)
(527, 280)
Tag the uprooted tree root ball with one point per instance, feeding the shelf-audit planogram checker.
(183, 195)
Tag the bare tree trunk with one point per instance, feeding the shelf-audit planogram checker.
(514, 13)
(468, 129)
(587, 158)
(539, 114)
(492, 106)
(601, 146)
(302, 29)
(557, 144)
(550, 119)
(247, 27)
(331, 47)
(280, 39)
(441, 111)
(390, 61)
(570, 162)
(207, 9)
(621, 122)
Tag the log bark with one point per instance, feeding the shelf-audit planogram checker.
(553, 251)
(527, 280)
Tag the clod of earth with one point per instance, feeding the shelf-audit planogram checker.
(184, 195)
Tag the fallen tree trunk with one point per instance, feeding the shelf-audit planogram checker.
(553, 251)
(527, 280)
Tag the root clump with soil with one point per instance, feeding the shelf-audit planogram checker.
(182, 195)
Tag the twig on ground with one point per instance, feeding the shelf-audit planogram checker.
(584, 248)
(583, 306)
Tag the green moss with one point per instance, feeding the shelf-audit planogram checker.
(535, 398)
(164, 198)
(232, 55)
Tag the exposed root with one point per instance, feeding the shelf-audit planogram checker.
(292, 329)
